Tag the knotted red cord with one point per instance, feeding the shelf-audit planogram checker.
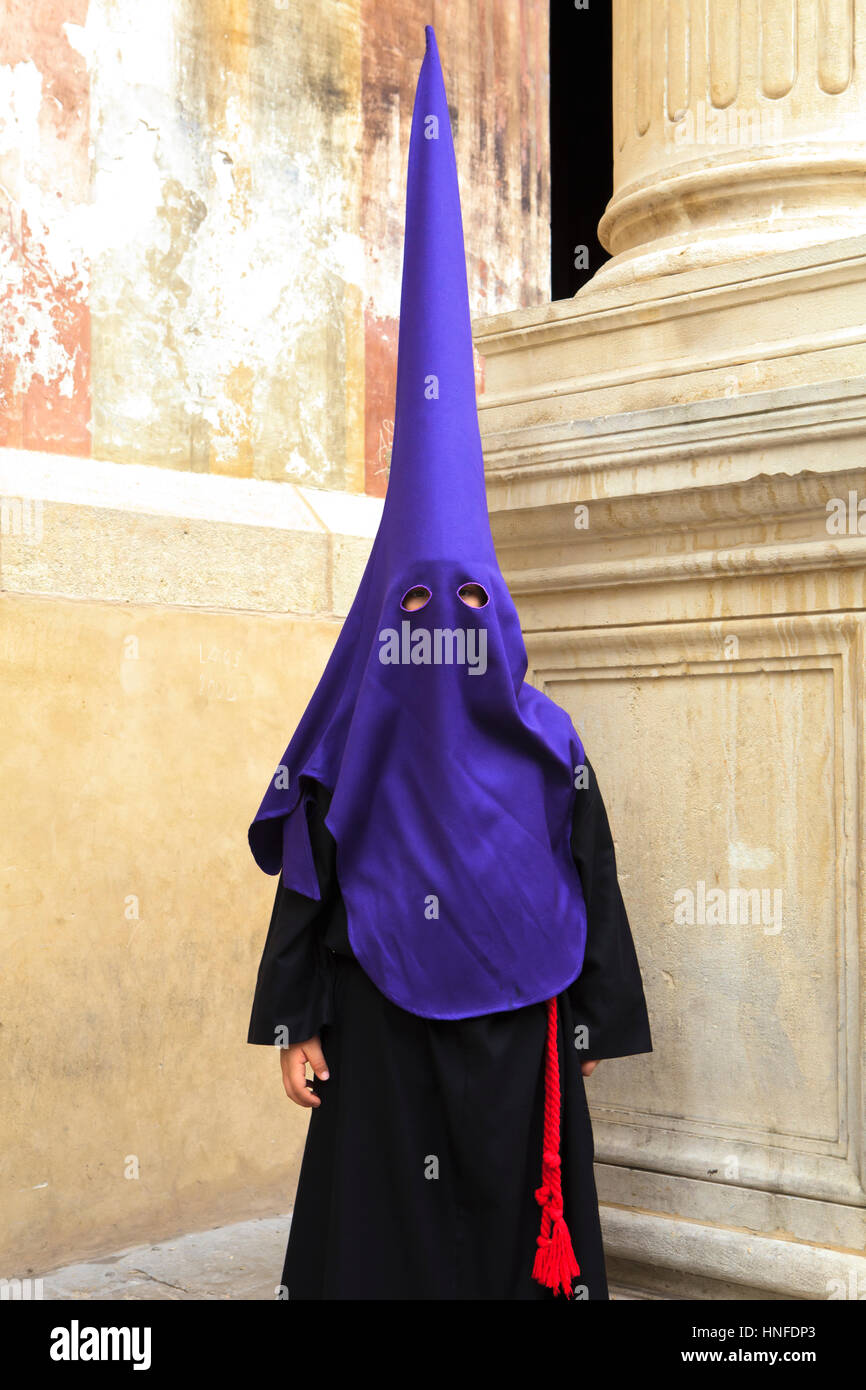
(555, 1264)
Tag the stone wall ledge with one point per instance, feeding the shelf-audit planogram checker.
(93, 529)
(782, 319)
(769, 1266)
(773, 422)
(693, 291)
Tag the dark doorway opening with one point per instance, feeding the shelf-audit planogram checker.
(581, 139)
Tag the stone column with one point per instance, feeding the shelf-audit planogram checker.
(739, 128)
(676, 478)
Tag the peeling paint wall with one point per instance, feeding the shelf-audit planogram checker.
(44, 178)
(202, 217)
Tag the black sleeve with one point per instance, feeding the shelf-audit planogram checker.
(607, 997)
(294, 989)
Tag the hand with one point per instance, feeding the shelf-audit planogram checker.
(587, 1068)
(293, 1066)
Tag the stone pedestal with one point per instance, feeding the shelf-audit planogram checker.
(676, 479)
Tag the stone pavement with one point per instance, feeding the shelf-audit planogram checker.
(242, 1261)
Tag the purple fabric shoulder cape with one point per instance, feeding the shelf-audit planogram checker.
(453, 780)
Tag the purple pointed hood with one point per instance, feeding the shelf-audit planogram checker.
(452, 779)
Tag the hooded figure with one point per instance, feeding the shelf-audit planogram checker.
(429, 794)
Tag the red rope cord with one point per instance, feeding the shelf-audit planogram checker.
(555, 1264)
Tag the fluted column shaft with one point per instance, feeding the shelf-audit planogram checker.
(739, 129)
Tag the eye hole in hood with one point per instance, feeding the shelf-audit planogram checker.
(473, 594)
(416, 597)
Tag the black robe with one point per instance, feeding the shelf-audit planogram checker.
(421, 1163)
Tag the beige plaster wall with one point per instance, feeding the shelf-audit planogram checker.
(134, 740)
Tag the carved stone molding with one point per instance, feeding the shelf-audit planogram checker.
(671, 690)
(739, 1263)
(786, 319)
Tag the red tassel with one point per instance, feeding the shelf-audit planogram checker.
(555, 1264)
